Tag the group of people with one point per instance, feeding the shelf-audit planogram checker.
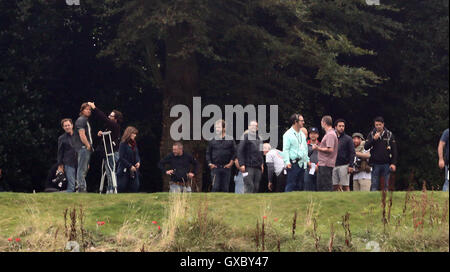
(120, 153)
(304, 164)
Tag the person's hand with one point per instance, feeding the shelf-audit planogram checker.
(350, 170)
(229, 165)
(89, 147)
(376, 136)
(392, 167)
(262, 167)
(243, 168)
(137, 165)
(269, 186)
(441, 163)
(133, 168)
(212, 166)
(99, 134)
(60, 168)
(92, 105)
(314, 147)
(169, 172)
(288, 166)
(191, 175)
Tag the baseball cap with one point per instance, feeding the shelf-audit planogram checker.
(314, 129)
(357, 134)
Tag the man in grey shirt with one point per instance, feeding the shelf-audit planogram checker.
(83, 145)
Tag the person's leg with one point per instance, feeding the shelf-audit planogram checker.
(174, 188)
(226, 180)
(70, 175)
(215, 178)
(281, 183)
(257, 179)
(335, 178)
(134, 184)
(122, 181)
(356, 185)
(239, 183)
(344, 178)
(308, 181)
(386, 174)
(83, 162)
(375, 184)
(248, 181)
(291, 180)
(364, 185)
(300, 180)
(445, 187)
(328, 178)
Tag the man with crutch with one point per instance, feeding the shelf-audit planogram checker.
(111, 141)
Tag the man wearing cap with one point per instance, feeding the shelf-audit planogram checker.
(362, 174)
(311, 173)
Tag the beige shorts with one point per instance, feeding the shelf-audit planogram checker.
(362, 185)
(341, 175)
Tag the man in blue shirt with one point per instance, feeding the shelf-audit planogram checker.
(295, 151)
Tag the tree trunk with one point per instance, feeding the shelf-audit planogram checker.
(180, 86)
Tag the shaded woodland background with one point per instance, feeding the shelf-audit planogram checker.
(342, 58)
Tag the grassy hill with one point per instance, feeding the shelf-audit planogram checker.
(352, 221)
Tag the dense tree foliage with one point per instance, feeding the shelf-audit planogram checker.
(343, 58)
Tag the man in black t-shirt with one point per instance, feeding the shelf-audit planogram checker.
(182, 168)
(83, 145)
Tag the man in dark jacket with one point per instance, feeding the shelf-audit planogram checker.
(345, 158)
(250, 158)
(383, 154)
(67, 156)
(220, 156)
(112, 123)
(182, 168)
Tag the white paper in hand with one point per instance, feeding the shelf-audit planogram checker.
(245, 174)
(313, 169)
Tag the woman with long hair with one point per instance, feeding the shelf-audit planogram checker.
(129, 162)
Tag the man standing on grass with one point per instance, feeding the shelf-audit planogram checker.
(182, 168)
(328, 150)
(83, 145)
(344, 160)
(295, 151)
(443, 151)
(250, 158)
(220, 156)
(383, 154)
(67, 156)
(311, 173)
(362, 175)
(275, 168)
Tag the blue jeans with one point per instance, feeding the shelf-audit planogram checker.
(239, 183)
(221, 179)
(84, 156)
(126, 184)
(175, 188)
(295, 178)
(379, 171)
(108, 173)
(310, 182)
(70, 172)
(445, 187)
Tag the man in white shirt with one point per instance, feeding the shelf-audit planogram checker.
(275, 165)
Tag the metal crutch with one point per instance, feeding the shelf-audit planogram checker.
(112, 171)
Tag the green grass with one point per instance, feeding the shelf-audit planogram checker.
(225, 222)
